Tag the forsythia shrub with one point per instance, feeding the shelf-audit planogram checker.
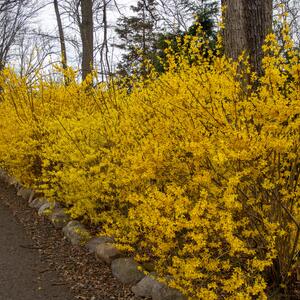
(196, 171)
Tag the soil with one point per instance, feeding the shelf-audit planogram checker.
(37, 262)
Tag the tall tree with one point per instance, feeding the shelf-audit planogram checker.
(89, 48)
(292, 8)
(102, 44)
(7, 4)
(32, 54)
(177, 15)
(247, 24)
(61, 35)
(87, 37)
(204, 24)
(14, 16)
(137, 34)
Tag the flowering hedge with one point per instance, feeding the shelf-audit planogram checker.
(196, 171)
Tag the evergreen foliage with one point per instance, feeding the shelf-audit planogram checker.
(137, 36)
(143, 39)
(203, 26)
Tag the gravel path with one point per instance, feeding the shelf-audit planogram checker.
(37, 262)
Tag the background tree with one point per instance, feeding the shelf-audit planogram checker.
(88, 34)
(87, 37)
(204, 23)
(177, 15)
(61, 35)
(147, 34)
(14, 17)
(247, 24)
(104, 48)
(137, 35)
(292, 8)
(6, 5)
(32, 55)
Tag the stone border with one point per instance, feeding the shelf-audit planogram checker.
(125, 269)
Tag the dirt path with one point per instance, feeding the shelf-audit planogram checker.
(22, 273)
(37, 263)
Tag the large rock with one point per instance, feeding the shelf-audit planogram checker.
(10, 180)
(4, 176)
(26, 194)
(13, 181)
(31, 197)
(37, 202)
(106, 252)
(163, 292)
(47, 209)
(76, 233)
(126, 270)
(59, 218)
(95, 241)
(144, 288)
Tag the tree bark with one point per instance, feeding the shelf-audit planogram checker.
(61, 36)
(86, 32)
(247, 24)
(105, 65)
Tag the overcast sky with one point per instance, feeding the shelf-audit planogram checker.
(46, 18)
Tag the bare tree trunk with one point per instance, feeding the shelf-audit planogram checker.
(247, 24)
(105, 65)
(86, 32)
(144, 71)
(61, 37)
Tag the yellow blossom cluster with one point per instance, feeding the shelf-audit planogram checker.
(195, 171)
